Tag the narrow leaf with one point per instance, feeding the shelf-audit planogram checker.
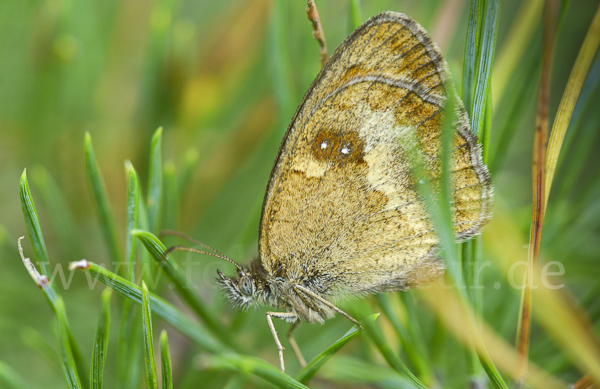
(101, 343)
(190, 160)
(165, 362)
(171, 195)
(150, 364)
(155, 182)
(33, 225)
(133, 197)
(570, 95)
(356, 18)
(107, 222)
(67, 359)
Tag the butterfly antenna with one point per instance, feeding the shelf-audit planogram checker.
(190, 239)
(192, 250)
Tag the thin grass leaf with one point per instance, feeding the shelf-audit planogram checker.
(190, 160)
(186, 291)
(155, 182)
(160, 307)
(150, 364)
(32, 223)
(10, 378)
(67, 359)
(133, 201)
(105, 215)
(308, 372)
(569, 99)
(254, 366)
(165, 362)
(100, 347)
(171, 203)
(489, 26)
(376, 335)
(579, 141)
(470, 56)
(356, 18)
(279, 57)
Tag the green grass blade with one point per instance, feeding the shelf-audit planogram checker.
(160, 307)
(10, 378)
(186, 291)
(150, 364)
(133, 202)
(165, 362)
(105, 215)
(190, 160)
(307, 373)
(101, 343)
(33, 225)
(567, 104)
(470, 56)
(280, 61)
(254, 366)
(356, 18)
(155, 182)
(171, 203)
(67, 358)
(484, 70)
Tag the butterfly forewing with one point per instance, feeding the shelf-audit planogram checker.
(341, 209)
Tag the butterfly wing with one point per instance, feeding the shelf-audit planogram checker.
(341, 212)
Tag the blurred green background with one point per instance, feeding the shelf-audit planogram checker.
(223, 79)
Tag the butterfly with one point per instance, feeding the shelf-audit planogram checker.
(341, 215)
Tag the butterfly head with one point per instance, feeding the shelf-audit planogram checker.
(242, 290)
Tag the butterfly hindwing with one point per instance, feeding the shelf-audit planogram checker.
(341, 208)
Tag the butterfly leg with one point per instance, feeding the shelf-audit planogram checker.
(294, 345)
(327, 303)
(284, 316)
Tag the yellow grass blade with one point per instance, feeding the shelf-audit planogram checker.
(567, 103)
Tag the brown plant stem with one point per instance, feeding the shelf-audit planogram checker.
(313, 16)
(540, 144)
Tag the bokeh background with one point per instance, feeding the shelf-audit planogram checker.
(223, 79)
